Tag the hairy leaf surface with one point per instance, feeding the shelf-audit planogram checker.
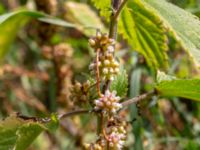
(120, 83)
(144, 32)
(184, 25)
(103, 6)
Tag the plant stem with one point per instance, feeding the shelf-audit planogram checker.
(85, 111)
(97, 73)
(115, 4)
(138, 98)
(113, 20)
(72, 113)
(117, 8)
(120, 9)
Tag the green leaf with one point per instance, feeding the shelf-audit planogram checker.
(184, 25)
(56, 21)
(8, 129)
(11, 23)
(120, 83)
(103, 6)
(171, 86)
(26, 134)
(145, 33)
(83, 16)
(17, 133)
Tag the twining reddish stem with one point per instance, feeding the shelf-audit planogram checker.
(97, 73)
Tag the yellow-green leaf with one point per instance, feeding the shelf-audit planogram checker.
(103, 6)
(184, 25)
(145, 33)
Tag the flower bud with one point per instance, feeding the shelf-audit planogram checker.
(116, 70)
(92, 42)
(112, 41)
(105, 70)
(106, 62)
(111, 78)
(116, 64)
(99, 63)
(111, 70)
(108, 103)
(110, 49)
(99, 35)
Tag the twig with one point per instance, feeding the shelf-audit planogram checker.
(112, 34)
(115, 4)
(75, 112)
(139, 98)
(120, 9)
(117, 8)
(60, 116)
(97, 73)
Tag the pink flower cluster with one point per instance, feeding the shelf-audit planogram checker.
(108, 103)
(117, 137)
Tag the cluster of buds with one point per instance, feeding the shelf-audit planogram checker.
(108, 103)
(80, 92)
(117, 136)
(99, 145)
(108, 66)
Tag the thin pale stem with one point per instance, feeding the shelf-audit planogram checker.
(97, 73)
(60, 116)
(72, 113)
(138, 98)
